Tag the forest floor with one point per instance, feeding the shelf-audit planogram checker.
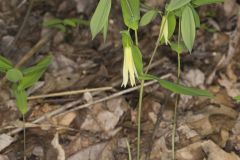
(96, 124)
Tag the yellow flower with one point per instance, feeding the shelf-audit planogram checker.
(164, 29)
(129, 68)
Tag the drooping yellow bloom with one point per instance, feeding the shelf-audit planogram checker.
(129, 69)
(164, 29)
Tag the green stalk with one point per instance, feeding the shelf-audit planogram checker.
(177, 98)
(142, 90)
(136, 37)
(139, 119)
(139, 109)
(24, 138)
(129, 150)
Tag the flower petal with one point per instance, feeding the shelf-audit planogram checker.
(125, 71)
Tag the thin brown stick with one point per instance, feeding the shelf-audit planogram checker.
(32, 51)
(35, 48)
(18, 35)
(66, 93)
(70, 106)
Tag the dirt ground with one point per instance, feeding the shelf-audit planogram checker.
(96, 124)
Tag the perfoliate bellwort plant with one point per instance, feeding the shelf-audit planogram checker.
(182, 11)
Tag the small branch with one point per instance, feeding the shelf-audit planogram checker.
(35, 48)
(22, 25)
(142, 91)
(32, 51)
(67, 108)
(69, 93)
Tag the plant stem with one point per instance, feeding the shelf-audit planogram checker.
(129, 150)
(139, 109)
(142, 90)
(139, 119)
(177, 98)
(136, 37)
(24, 138)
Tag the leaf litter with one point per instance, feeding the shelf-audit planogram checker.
(207, 129)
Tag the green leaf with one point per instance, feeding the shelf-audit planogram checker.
(45, 61)
(60, 27)
(178, 12)
(21, 100)
(14, 75)
(79, 21)
(171, 24)
(52, 22)
(179, 48)
(29, 80)
(33, 74)
(137, 58)
(100, 17)
(204, 2)
(148, 17)
(179, 89)
(131, 13)
(42, 64)
(5, 64)
(69, 22)
(196, 17)
(176, 4)
(105, 30)
(188, 28)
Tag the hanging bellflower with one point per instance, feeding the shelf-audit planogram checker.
(129, 69)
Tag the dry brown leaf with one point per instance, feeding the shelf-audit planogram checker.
(187, 131)
(38, 151)
(150, 109)
(67, 119)
(90, 124)
(195, 78)
(108, 151)
(230, 73)
(78, 143)
(231, 86)
(58, 147)
(224, 137)
(5, 141)
(191, 152)
(105, 117)
(219, 39)
(206, 149)
(107, 120)
(207, 121)
(230, 8)
(90, 153)
(222, 98)
(214, 152)
(3, 157)
(160, 150)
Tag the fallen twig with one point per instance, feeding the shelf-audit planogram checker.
(70, 106)
(32, 51)
(68, 93)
